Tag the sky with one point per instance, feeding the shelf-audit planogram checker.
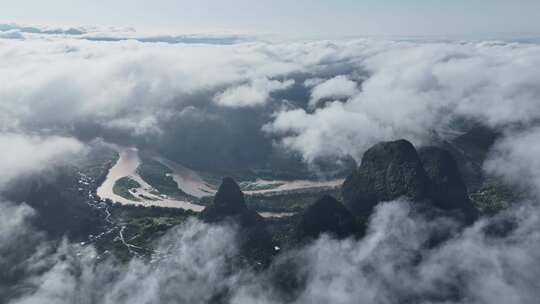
(300, 17)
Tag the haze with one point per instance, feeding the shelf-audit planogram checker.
(301, 17)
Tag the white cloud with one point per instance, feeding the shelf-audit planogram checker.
(115, 34)
(26, 154)
(311, 82)
(11, 34)
(340, 87)
(191, 266)
(415, 88)
(252, 94)
(42, 29)
(332, 131)
(393, 263)
(20, 155)
(515, 158)
(406, 89)
(62, 80)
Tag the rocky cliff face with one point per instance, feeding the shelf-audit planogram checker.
(470, 150)
(229, 206)
(327, 215)
(446, 184)
(390, 170)
(229, 201)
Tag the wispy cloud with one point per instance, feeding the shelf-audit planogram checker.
(114, 34)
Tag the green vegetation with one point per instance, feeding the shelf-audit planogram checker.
(283, 229)
(293, 201)
(148, 198)
(285, 174)
(142, 231)
(97, 163)
(142, 227)
(122, 186)
(159, 176)
(287, 201)
(493, 197)
(125, 212)
(248, 176)
(141, 234)
(214, 178)
(248, 186)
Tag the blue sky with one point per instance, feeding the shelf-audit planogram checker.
(298, 17)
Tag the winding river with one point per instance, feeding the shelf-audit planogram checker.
(188, 181)
(126, 166)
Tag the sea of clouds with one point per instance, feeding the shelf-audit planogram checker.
(318, 99)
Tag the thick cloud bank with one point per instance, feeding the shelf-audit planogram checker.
(392, 264)
(515, 159)
(20, 243)
(190, 267)
(319, 99)
(414, 89)
(22, 154)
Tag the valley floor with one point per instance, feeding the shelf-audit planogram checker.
(192, 187)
